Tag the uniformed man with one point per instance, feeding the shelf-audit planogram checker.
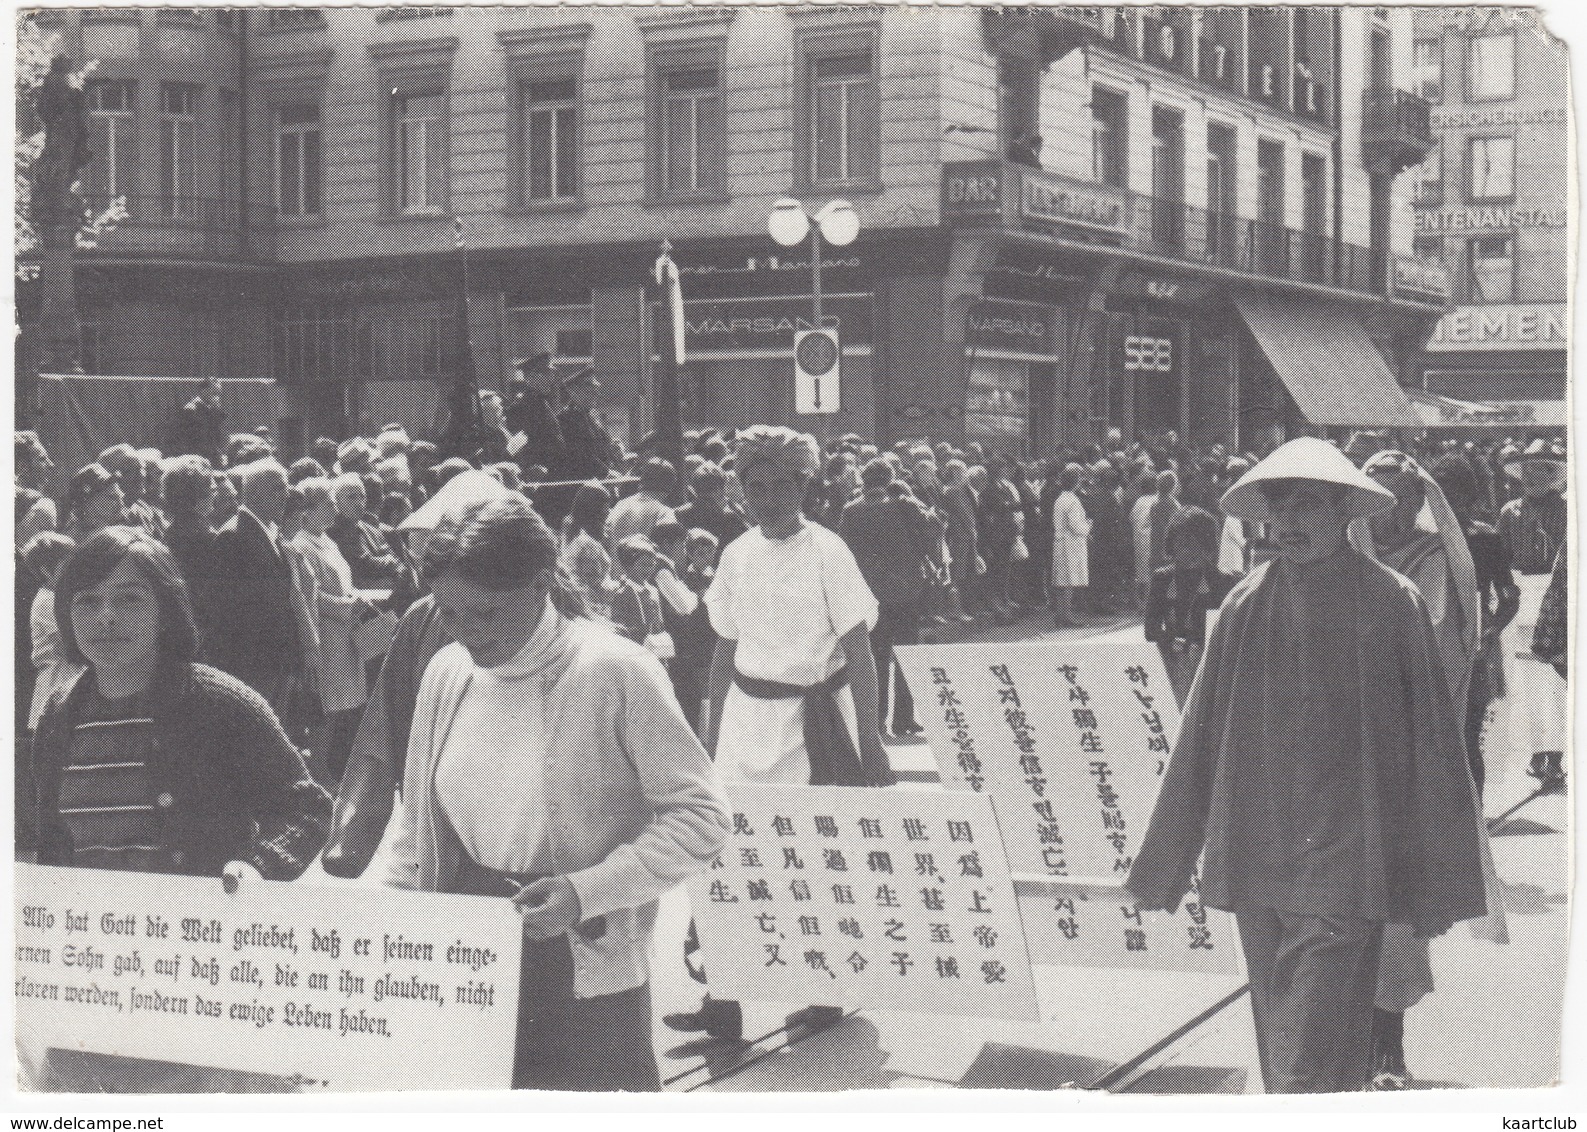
(588, 450)
(530, 411)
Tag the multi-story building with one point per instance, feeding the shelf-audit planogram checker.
(1492, 202)
(1071, 219)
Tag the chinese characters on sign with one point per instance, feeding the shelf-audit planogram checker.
(345, 988)
(1070, 742)
(899, 899)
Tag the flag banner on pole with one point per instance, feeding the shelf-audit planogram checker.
(672, 295)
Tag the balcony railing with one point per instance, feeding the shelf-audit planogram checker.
(1396, 129)
(184, 227)
(1086, 211)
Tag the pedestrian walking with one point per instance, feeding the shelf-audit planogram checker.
(1319, 764)
(551, 766)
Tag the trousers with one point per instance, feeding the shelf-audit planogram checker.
(587, 1045)
(1312, 983)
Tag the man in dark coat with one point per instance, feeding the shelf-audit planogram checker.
(588, 450)
(529, 412)
(894, 538)
(254, 616)
(1320, 766)
(201, 425)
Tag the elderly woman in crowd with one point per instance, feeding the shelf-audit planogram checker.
(368, 557)
(337, 612)
(550, 765)
(188, 484)
(793, 691)
(152, 762)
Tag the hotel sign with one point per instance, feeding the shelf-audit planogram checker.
(1498, 116)
(1533, 326)
(1080, 203)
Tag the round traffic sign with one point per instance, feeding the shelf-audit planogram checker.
(816, 354)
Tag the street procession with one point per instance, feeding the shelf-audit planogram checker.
(719, 548)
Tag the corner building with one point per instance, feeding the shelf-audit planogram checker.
(1213, 234)
(1492, 202)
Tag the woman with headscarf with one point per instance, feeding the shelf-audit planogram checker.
(793, 685)
(1420, 538)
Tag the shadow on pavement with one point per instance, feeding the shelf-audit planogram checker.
(1000, 1066)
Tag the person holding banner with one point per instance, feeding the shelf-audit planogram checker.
(1320, 765)
(149, 761)
(793, 686)
(550, 765)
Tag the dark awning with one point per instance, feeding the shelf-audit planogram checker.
(1327, 362)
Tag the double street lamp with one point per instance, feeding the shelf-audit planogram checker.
(836, 221)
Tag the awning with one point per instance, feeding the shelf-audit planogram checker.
(1327, 362)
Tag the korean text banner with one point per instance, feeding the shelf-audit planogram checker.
(1070, 740)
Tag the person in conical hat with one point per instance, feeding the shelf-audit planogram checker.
(380, 745)
(1319, 772)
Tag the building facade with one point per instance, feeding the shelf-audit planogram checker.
(1492, 202)
(1072, 220)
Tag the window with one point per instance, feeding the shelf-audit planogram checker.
(298, 160)
(419, 147)
(1490, 67)
(845, 118)
(1427, 185)
(1019, 109)
(551, 138)
(1490, 269)
(1168, 177)
(294, 18)
(1109, 135)
(110, 139)
(1221, 173)
(229, 169)
(1314, 216)
(178, 162)
(1272, 238)
(1490, 167)
(692, 138)
(1427, 69)
(1429, 248)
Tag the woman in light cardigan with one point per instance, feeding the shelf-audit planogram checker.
(550, 764)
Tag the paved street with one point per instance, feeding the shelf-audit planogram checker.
(1494, 1022)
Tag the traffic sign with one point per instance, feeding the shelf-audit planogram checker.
(817, 371)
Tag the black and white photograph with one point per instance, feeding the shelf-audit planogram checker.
(557, 544)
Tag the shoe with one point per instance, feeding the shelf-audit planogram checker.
(716, 1017)
(816, 1018)
(1389, 1074)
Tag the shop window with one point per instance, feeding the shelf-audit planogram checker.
(1490, 67)
(842, 115)
(1427, 69)
(551, 138)
(1490, 269)
(1490, 169)
(298, 169)
(311, 343)
(110, 139)
(419, 151)
(178, 161)
(1109, 137)
(690, 139)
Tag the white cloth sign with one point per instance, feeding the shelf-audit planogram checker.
(1070, 741)
(346, 989)
(833, 896)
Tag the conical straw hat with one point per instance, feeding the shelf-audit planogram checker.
(1305, 458)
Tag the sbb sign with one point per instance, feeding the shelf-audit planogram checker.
(1153, 354)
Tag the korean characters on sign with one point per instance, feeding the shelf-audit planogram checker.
(1070, 742)
(893, 899)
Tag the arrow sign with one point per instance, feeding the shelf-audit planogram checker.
(817, 371)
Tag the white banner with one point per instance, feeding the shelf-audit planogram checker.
(339, 988)
(1070, 741)
(833, 896)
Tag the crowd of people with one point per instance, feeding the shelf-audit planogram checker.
(256, 637)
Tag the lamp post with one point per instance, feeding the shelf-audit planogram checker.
(789, 224)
